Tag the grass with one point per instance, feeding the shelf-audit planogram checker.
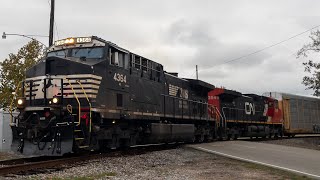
(284, 174)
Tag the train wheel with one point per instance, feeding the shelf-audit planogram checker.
(235, 137)
(229, 137)
(201, 138)
(270, 136)
(193, 140)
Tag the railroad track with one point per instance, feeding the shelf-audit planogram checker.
(35, 165)
(45, 165)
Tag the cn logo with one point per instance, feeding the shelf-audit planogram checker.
(249, 108)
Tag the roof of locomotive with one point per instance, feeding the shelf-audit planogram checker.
(199, 83)
(89, 41)
(228, 92)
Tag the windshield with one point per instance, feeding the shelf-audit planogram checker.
(87, 52)
(96, 52)
(61, 53)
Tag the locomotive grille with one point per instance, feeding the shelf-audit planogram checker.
(89, 82)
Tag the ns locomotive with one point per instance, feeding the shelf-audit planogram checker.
(90, 94)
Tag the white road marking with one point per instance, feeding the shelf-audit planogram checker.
(257, 162)
(214, 145)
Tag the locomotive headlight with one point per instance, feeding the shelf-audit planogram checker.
(55, 100)
(21, 103)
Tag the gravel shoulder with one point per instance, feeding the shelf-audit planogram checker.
(302, 142)
(9, 155)
(180, 163)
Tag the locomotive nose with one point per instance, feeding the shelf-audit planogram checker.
(59, 66)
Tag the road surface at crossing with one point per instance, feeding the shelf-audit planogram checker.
(293, 159)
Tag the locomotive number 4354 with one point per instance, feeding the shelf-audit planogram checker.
(120, 77)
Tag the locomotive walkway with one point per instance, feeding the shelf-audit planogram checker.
(298, 160)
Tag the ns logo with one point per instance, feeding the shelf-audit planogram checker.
(249, 108)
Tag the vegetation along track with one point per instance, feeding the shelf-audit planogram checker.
(36, 165)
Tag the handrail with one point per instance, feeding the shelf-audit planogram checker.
(224, 115)
(10, 110)
(79, 105)
(88, 103)
(218, 111)
(189, 101)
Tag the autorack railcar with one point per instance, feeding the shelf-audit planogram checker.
(300, 114)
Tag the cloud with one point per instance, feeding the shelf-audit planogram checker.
(183, 33)
(209, 51)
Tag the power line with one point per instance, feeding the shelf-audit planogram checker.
(267, 47)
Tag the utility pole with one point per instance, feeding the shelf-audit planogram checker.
(51, 23)
(197, 71)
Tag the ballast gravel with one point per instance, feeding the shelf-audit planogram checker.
(174, 164)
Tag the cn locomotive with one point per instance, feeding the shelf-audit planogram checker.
(246, 115)
(89, 94)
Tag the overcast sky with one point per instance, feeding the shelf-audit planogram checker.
(182, 33)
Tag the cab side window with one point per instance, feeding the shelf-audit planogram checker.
(113, 56)
(126, 61)
(121, 59)
(118, 58)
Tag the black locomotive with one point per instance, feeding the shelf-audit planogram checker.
(90, 94)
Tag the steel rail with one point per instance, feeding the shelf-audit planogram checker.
(18, 168)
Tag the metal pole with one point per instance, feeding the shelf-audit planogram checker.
(197, 71)
(51, 23)
(4, 36)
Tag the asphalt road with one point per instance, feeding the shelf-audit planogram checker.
(297, 160)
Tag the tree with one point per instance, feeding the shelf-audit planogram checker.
(312, 81)
(13, 69)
